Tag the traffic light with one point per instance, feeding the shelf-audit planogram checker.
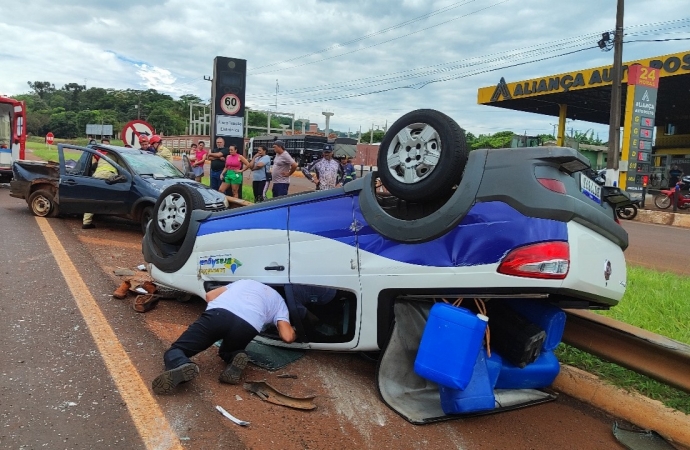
(645, 180)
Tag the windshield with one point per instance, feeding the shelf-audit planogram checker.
(148, 164)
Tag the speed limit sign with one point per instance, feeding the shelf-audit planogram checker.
(230, 104)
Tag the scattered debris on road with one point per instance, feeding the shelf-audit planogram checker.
(270, 394)
(287, 375)
(239, 422)
(636, 439)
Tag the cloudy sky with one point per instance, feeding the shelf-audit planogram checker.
(368, 62)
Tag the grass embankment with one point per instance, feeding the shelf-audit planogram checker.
(653, 301)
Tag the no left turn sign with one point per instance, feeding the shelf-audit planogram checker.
(230, 104)
(132, 131)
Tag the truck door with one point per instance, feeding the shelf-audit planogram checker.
(319, 228)
(80, 192)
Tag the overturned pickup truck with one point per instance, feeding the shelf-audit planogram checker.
(69, 187)
(360, 267)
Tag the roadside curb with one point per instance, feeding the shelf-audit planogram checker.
(635, 408)
(663, 218)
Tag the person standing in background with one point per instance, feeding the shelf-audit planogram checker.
(674, 175)
(231, 176)
(260, 166)
(217, 157)
(283, 167)
(199, 153)
(328, 171)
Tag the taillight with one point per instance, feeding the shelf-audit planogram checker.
(545, 260)
(552, 185)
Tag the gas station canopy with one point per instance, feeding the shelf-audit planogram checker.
(587, 93)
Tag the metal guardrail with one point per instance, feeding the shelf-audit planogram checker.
(650, 354)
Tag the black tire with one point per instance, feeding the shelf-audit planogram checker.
(662, 201)
(173, 212)
(627, 212)
(42, 204)
(427, 161)
(145, 216)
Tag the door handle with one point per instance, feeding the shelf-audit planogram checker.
(69, 182)
(278, 268)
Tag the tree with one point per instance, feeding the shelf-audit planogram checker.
(42, 88)
(377, 136)
(73, 90)
(498, 140)
(64, 124)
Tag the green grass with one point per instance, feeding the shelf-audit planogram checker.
(247, 191)
(653, 301)
(656, 302)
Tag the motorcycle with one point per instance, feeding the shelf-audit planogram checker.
(665, 198)
(628, 212)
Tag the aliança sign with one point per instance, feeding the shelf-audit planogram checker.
(668, 65)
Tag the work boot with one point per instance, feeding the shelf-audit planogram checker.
(122, 291)
(233, 371)
(149, 287)
(166, 382)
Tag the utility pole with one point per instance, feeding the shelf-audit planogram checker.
(276, 105)
(371, 136)
(615, 117)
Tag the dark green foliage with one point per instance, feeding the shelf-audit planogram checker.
(67, 111)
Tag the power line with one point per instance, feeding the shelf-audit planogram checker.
(399, 76)
(465, 75)
(385, 42)
(367, 36)
(396, 76)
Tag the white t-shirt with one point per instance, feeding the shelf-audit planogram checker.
(254, 302)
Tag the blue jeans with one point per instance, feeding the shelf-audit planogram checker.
(211, 326)
(215, 179)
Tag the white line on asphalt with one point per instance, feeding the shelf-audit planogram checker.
(147, 416)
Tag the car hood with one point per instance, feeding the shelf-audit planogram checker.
(211, 196)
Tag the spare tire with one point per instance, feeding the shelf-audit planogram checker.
(173, 212)
(422, 156)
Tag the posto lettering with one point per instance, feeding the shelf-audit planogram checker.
(672, 64)
(605, 75)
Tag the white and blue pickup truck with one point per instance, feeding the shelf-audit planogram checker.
(495, 224)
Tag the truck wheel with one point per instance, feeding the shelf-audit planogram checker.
(145, 217)
(173, 212)
(42, 204)
(422, 156)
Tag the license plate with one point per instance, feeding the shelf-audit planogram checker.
(590, 188)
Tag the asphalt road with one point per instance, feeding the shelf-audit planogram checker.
(78, 363)
(658, 247)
